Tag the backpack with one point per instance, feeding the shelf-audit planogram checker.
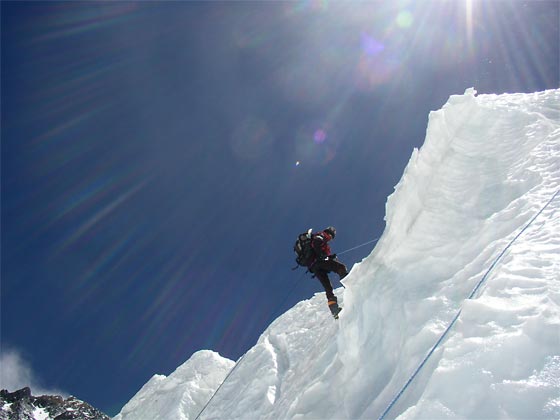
(302, 248)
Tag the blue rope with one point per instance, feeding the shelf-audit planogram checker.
(456, 317)
(358, 246)
(238, 363)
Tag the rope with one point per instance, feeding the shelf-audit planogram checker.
(456, 317)
(274, 313)
(358, 246)
(223, 382)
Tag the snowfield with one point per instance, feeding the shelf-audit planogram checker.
(455, 313)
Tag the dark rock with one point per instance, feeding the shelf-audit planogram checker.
(24, 393)
(21, 405)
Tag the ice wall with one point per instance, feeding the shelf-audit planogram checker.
(488, 165)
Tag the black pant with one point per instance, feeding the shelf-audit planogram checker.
(321, 268)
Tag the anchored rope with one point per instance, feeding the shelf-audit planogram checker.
(474, 291)
(358, 246)
(223, 382)
(242, 357)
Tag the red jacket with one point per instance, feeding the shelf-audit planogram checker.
(321, 246)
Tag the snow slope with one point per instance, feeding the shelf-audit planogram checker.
(464, 283)
(182, 394)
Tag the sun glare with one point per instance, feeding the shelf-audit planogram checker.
(469, 22)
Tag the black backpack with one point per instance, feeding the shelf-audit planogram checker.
(304, 251)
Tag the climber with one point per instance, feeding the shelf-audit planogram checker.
(314, 252)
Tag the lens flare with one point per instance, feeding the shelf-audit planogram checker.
(319, 136)
(371, 46)
(405, 19)
(316, 145)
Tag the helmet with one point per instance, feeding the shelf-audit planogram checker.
(331, 231)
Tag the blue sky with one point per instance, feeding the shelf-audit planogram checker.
(159, 159)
